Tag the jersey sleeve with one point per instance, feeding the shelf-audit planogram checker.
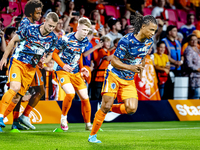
(55, 41)
(122, 48)
(59, 44)
(23, 33)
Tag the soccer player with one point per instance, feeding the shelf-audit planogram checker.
(129, 58)
(32, 10)
(35, 41)
(69, 74)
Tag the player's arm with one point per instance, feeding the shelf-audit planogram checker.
(8, 50)
(65, 67)
(115, 62)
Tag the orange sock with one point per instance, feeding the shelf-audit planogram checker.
(66, 105)
(15, 116)
(27, 110)
(9, 109)
(98, 120)
(86, 110)
(6, 100)
(118, 108)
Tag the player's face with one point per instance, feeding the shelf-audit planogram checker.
(37, 14)
(161, 48)
(149, 30)
(49, 25)
(82, 31)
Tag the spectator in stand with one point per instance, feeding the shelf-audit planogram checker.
(115, 27)
(69, 7)
(197, 33)
(180, 37)
(5, 4)
(192, 66)
(82, 12)
(95, 16)
(105, 56)
(59, 28)
(101, 9)
(124, 24)
(129, 29)
(134, 6)
(173, 50)
(162, 66)
(74, 23)
(9, 34)
(157, 35)
(183, 4)
(188, 28)
(159, 11)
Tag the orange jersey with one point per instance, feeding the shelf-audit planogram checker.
(38, 78)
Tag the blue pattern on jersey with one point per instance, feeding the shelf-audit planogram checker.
(33, 44)
(24, 23)
(71, 50)
(130, 51)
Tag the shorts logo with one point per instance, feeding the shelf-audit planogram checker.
(62, 80)
(113, 86)
(14, 75)
(47, 46)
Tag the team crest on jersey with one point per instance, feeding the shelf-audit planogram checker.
(62, 80)
(47, 46)
(14, 75)
(113, 86)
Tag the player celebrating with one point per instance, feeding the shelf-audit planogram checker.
(69, 74)
(119, 82)
(34, 42)
(32, 10)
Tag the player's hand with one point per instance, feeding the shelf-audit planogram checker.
(84, 72)
(3, 62)
(136, 68)
(67, 68)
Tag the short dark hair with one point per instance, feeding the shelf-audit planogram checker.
(159, 43)
(31, 5)
(112, 21)
(169, 28)
(9, 31)
(138, 20)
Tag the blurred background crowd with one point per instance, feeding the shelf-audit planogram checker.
(175, 52)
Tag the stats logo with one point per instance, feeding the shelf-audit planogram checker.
(186, 109)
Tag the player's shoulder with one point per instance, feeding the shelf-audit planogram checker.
(25, 20)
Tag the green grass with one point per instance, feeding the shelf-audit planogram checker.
(171, 135)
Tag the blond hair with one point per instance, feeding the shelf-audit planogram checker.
(85, 21)
(105, 38)
(90, 32)
(53, 16)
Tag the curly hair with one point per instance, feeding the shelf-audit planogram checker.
(138, 20)
(30, 7)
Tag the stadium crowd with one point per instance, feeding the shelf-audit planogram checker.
(175, 50)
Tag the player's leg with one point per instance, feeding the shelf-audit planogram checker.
(16, 124)
(107, 102)
(85, 107)
(35, 98)
(70, 93)
(10, 97)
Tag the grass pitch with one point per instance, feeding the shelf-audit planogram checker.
(173, 135)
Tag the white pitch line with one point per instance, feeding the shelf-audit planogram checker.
(164, 129)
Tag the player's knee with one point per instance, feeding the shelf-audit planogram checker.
(15, 88)
(106, 108)
(131, 110)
